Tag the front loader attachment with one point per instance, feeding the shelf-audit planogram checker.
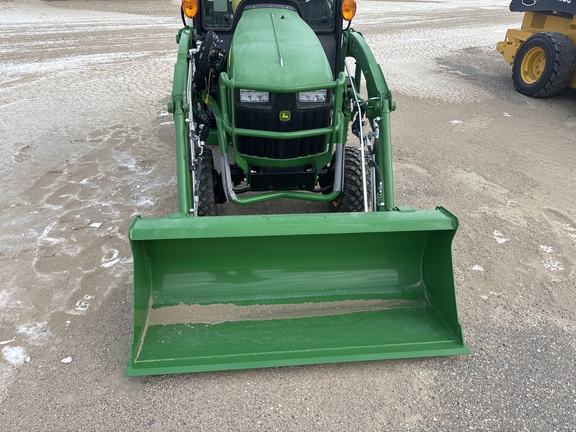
(260, 291)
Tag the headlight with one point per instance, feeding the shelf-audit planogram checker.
(314, 96)
(254, 96)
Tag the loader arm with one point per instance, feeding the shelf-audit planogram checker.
(378, 107)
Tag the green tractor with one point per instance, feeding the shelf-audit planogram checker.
(542, 53)
(267, 86)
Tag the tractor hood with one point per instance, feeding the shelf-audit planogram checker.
(275, 48)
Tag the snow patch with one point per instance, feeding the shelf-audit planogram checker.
(499, 237)
(83, 304)
(45, 240)
(35, 332)
(7, 303)
(144, 202)
(15, 355)
(552, 264)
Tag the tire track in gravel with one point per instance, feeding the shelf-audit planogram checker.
(72, 67)
(73, 249)
(82, 161)
(414, 42)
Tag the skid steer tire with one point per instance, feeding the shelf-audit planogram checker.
(544, 65)
(207, 199)
(351, 199)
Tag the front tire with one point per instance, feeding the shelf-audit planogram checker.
(544, 65)
(351, 199)
(206, 196)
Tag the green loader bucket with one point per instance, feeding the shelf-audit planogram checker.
(219, 293)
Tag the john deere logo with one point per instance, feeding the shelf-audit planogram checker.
(285, 116)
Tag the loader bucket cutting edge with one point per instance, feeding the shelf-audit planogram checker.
(244, 292)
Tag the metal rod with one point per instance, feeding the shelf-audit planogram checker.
(362, 155)
(338, 174)
(227, 177)
(305, 196)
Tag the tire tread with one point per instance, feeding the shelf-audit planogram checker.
(563, 66)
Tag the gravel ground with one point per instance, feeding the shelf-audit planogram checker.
(89, 145)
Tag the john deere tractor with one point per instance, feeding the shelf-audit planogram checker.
(542, 53)
(274, 87)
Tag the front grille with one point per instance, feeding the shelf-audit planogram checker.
(268, 119)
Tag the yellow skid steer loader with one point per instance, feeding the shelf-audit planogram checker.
(541, 52)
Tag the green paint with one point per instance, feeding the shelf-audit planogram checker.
(275, 48)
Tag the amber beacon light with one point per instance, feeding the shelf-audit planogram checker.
(190, 8)
(348, 9)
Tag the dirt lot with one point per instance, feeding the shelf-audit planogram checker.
(88, 144)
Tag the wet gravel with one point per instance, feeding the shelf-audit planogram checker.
(89, 145)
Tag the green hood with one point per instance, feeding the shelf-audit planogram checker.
(276, 48)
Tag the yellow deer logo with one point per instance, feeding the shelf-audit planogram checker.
(285, 115)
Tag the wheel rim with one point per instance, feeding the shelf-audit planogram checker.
(533, 65)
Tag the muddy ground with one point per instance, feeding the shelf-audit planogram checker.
(88, 144)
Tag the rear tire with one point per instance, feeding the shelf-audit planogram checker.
(206, 199)
(544, 65)
(351, 199)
